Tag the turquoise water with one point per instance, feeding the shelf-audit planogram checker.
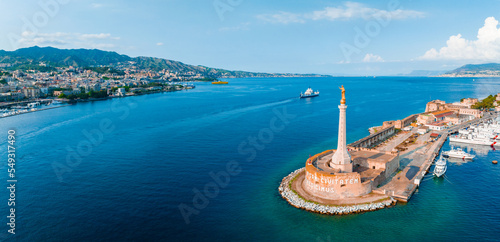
(147, 155)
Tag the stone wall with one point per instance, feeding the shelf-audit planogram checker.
(374, 139)
(333, 186)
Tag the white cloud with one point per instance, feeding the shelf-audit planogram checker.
(485, 48)
(372, 58)
(159, 44)
(350, 10)
(282, 17)
(97, 5)
(68, 40)
(242, 26)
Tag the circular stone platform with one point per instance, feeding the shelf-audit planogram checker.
(291, 190)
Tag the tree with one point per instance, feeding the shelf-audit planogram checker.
(62, 95)
(486, 103)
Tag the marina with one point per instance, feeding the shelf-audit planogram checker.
(30, 106)
(369, 164)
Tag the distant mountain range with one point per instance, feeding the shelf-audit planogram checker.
(49, 58)
(469, 70)
(424, 73)
(476, 70)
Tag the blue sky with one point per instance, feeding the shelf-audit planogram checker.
(315, 36)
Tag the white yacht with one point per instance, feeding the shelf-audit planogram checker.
(33, 105)
(440, 167)
(473, 139)
(309, 93)
(458, 153)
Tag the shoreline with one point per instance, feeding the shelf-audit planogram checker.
(74, 102)
(38, 110)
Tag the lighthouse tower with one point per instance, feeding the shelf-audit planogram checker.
(341, 159)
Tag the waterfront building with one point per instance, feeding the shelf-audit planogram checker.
(423, 130)
(475, 113)
(456, 106)
(437, 126)
(428, 118)
(67, 93)
(436, 105)
(400, 124)
(31, 92)
(471, 101)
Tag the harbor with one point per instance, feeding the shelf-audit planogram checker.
(417, 161)
(389, 164)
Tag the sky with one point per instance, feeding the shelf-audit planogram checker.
(360, 38)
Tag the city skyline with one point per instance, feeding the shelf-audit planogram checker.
(332, 37)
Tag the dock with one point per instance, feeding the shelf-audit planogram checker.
(37, 110)
(416, 162)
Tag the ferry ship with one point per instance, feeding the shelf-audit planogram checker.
(440, 167)
(309, 93)
(458, 153)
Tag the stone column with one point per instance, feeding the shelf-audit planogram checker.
(341, 159)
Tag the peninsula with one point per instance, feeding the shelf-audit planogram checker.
(370, 174)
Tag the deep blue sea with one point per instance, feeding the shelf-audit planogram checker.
(124, 169)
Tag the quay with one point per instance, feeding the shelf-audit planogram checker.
(376, 171)
(25, 102)
(37, 110)
(416, 162)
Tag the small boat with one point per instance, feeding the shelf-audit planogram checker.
(440, 167)
(309, 93)
(219, 82)
(458, 153)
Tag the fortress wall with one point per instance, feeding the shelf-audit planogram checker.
(341, 185)
(373, 139)
(333, 186)
(392, 166)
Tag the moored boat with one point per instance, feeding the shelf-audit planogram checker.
(440, 167)
(458, 153)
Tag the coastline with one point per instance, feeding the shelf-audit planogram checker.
(38, 110)
(73, 102)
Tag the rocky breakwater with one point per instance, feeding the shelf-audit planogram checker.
(288, 194)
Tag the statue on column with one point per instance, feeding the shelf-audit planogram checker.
(343, 94)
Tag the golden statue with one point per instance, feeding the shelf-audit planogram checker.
(343, 94)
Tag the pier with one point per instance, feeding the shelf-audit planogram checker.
(25, 102)
(382, 168)
(415, 163)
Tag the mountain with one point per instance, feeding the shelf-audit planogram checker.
(424, 73)
(59, 58)
(489, 69)
(48, 58)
